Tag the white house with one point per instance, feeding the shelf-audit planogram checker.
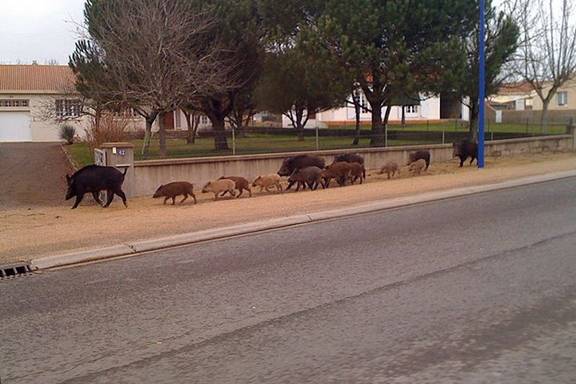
(429, 109)
(34, 99)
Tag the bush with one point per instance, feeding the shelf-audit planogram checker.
(109, 128)
(67, 133)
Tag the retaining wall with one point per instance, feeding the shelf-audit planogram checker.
(149, 174)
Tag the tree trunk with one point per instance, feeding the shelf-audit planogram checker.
(386, 117)
(162, 136)
(357, 111)
(544, 115)
(403, 116)
(195, 124)
(219, 128)
(377, 139)
(192, 122)
(148, 133)
(299, 126)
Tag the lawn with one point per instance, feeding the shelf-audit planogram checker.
(252, 144)
(456, 126)
(262, 143)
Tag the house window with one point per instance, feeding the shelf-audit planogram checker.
(204, 120)
(562, 98)
(411, 109)
(68, 108)
(14, 103)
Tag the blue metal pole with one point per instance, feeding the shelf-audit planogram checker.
(481, 83)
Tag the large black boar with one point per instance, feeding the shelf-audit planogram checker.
(349, 158)
(415, 156)
(94, 179)
(464, 150)
(292, 164)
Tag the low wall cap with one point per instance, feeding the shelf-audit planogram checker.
(121, 144)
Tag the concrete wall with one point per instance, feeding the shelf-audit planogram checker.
(150, 174)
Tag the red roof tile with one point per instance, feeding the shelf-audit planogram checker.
(39, 78)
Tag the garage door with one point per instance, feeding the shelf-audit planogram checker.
(15, 126)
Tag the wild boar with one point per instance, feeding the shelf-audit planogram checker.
(357, 172)
(415, 156)
(349, 158)
(220, 186)
(390, 169)
(177, 188)
(241, 184)
(298, 162)
(94, 179)
(267, 182)
(339, 171)
(310, 176)
(417, 166)
(464, 150)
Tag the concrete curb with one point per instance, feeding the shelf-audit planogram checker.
(136, 247)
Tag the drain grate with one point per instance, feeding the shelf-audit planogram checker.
(14, 270)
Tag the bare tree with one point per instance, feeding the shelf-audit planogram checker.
(547, 57)
(155, 55)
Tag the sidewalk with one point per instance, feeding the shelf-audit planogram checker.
(28, 233)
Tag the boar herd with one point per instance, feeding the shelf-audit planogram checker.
(303, 171)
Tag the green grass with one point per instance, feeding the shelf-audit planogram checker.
(252, 144)
(531, 129)
(261, 143)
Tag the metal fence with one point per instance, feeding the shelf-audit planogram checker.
(254, 140)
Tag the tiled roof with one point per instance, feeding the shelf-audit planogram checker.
(515, 88)
(36, 78)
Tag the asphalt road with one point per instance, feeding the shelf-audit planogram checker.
(480, 289)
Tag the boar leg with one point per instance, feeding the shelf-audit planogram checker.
(78, 200)
(110, 198)
(96, 196)
(120, 193)
(194, 198)
(184, 199)
(165, 200)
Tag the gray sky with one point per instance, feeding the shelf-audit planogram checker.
(38, 30)
(41, 30)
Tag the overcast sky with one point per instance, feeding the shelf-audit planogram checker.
(39, 30)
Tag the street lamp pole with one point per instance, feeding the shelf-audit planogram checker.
(481, 83)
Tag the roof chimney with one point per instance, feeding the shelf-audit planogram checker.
(34, 62)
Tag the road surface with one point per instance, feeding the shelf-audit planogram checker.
(480, 289)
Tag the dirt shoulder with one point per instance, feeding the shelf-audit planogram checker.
(26, 233)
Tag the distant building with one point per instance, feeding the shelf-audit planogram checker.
(432, 109)
(35, 100)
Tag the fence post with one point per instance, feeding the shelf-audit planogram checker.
(317, 139)
(443, 137)
(572, 131)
